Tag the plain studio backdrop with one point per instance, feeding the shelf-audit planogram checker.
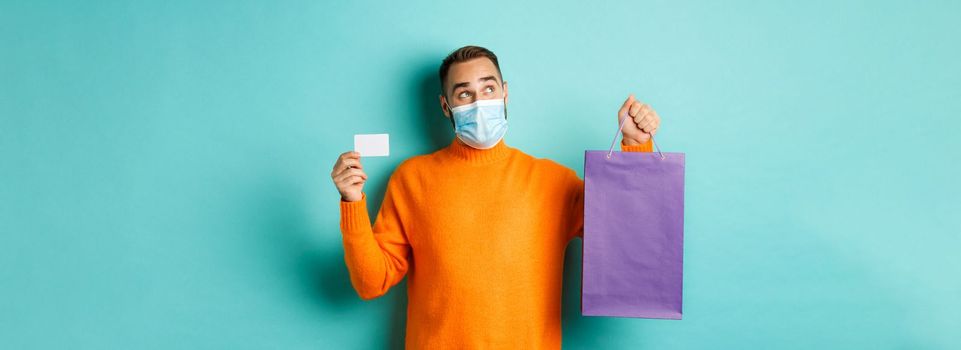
(164, 167)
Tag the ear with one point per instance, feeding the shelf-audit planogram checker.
(444, 106)
(505, 91)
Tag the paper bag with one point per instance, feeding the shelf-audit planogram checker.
(633, 234)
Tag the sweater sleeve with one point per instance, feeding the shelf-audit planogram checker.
(377, 257)
(576, 193)
(647, 146)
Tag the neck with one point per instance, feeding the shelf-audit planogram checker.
(460, 150)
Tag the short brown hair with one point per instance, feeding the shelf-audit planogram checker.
(466, 53)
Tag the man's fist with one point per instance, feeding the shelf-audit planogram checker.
(644, 125)
(349, 176)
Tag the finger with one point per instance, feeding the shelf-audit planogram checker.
(344, 156)
(655, 119)
(350, 154)
(339, 167)
(649, 126)
(350, 180)
(353, 180)
(635, 108)
(642, 119)
(350, 172)
(647, 123)
(645, 109)
(346, 163)
(352, 163)
(624, 107)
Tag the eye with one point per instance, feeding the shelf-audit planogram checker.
(489, 89)
(464, 94)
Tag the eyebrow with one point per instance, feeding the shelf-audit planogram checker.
(465, 84)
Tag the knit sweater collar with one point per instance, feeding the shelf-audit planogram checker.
(459, 150)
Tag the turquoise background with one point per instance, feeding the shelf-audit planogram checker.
(165, 167)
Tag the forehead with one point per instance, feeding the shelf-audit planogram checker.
(470, 71)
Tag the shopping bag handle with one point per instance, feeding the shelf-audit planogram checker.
(626, 117)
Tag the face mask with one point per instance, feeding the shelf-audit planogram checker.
(481, 124)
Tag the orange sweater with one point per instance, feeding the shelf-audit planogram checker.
(481, 236)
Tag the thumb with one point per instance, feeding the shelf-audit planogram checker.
(625, 107)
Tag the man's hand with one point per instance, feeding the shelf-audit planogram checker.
(645, 121)
(349, 176)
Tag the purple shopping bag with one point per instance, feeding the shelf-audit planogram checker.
(633, 234)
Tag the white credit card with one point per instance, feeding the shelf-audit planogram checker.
(372, 145)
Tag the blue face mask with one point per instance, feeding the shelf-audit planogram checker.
(481, 124)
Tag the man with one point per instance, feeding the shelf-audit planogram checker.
(479, 227)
